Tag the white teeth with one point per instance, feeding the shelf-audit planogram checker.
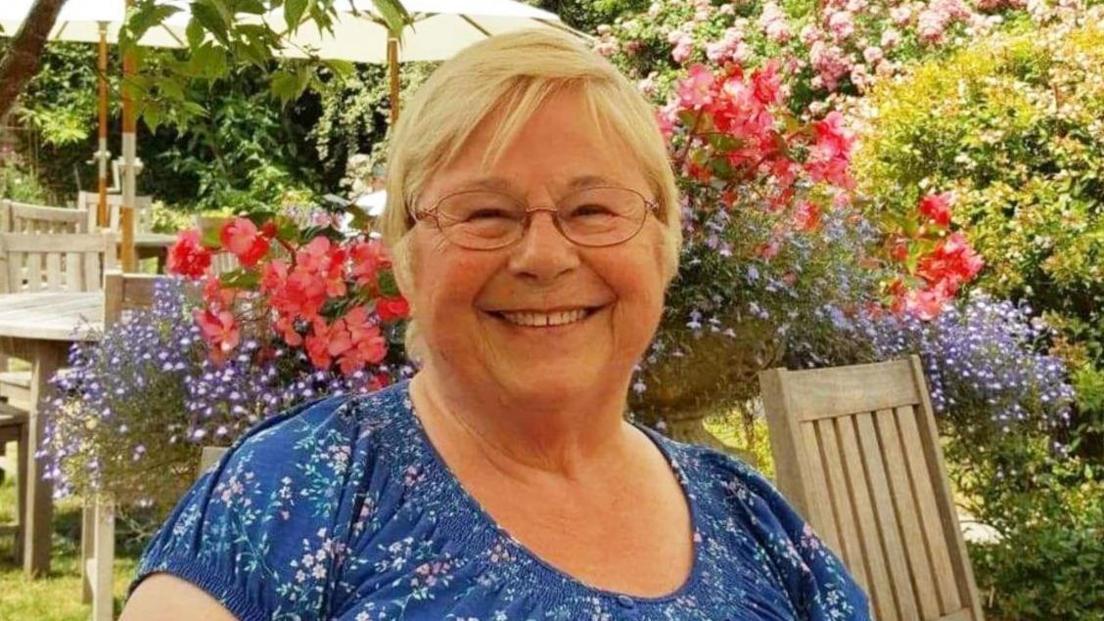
(545, 319)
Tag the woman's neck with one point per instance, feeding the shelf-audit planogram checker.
(526, 438)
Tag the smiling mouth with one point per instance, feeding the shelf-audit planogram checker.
(536, 319)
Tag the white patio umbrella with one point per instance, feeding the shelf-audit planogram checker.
(441, 29)
(99, 21)
(80, 20)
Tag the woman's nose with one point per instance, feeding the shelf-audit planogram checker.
(543, 253)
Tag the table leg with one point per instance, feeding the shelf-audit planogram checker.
(47, 359)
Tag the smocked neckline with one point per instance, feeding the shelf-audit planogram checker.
(457, 488)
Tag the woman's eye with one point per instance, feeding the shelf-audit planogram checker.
(487, 214)
(583, 211)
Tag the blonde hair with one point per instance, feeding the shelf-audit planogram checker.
(514, 74)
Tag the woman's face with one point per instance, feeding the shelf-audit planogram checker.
(463, 299)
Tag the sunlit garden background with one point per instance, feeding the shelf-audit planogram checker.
(862, 180)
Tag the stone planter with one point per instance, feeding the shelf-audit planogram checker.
(715, 373)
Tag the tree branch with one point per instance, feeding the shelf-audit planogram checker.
(20, 63)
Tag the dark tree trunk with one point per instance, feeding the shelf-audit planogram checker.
(20, 63)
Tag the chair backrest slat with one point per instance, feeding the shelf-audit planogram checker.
(28, 218)
(857, 452)
(56, 261)
(89, 203)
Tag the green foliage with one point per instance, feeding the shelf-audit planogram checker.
(1049, 560)
(61, 99)
(1013, 125)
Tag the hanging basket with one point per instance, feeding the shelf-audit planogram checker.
(706, 375)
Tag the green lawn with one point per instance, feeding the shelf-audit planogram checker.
(56, 597)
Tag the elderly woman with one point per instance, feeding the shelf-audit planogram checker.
(534, 224)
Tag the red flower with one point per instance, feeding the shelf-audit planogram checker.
(392, 308)
(952, 262)
(830, 157)
(187, 257)
(242, 238)
(768, 84)
(807, 216)
(937, 207)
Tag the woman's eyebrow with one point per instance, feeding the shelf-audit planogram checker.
(502, 184)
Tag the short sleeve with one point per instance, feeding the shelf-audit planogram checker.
(257, 531)
(819, 586)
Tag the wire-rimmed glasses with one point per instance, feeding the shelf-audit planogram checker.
(592, 217)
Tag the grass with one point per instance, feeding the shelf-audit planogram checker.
(56, 597)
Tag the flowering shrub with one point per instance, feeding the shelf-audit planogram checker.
(1014, 127)
(331, 295)
(985, 362)
(835, 47)
(304, 316)
(767, 225)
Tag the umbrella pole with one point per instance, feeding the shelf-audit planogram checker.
(126, 211)
(102, 155)
(393, 69)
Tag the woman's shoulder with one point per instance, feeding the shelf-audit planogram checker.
(278, 506)
(737, 501)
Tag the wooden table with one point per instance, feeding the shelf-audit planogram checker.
(147, 245)
(40, 327)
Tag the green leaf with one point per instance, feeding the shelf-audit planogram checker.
(211, 19)
(146, 16)
(395, 16)
(293, 13)
(387, 285)
(285, 86)
(340, 68)
(253, 7)
(208, 61)
(194, 32)
(210, 238)
(241, 278)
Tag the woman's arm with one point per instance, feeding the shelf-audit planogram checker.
(164, 597)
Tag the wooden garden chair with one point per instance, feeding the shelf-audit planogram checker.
(122, 293)
(89, 204)
(27, 218)
(857, 452)
(50, 262)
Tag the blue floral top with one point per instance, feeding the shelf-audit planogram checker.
(343, 509)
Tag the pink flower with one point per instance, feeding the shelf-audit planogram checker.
(218, 329)
(242, 238)
(926, 303)
(187, 257)
(842, 25)
(872, 55)
(773, 22)
(890, 38)
(368, 258)
(830, 63)
(901, 14)
(684, 46)
(937, 207)
(696, 90)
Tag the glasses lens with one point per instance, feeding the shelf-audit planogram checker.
(602, 216)
(480, 219)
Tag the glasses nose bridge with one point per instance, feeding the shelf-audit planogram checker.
(553, 212)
